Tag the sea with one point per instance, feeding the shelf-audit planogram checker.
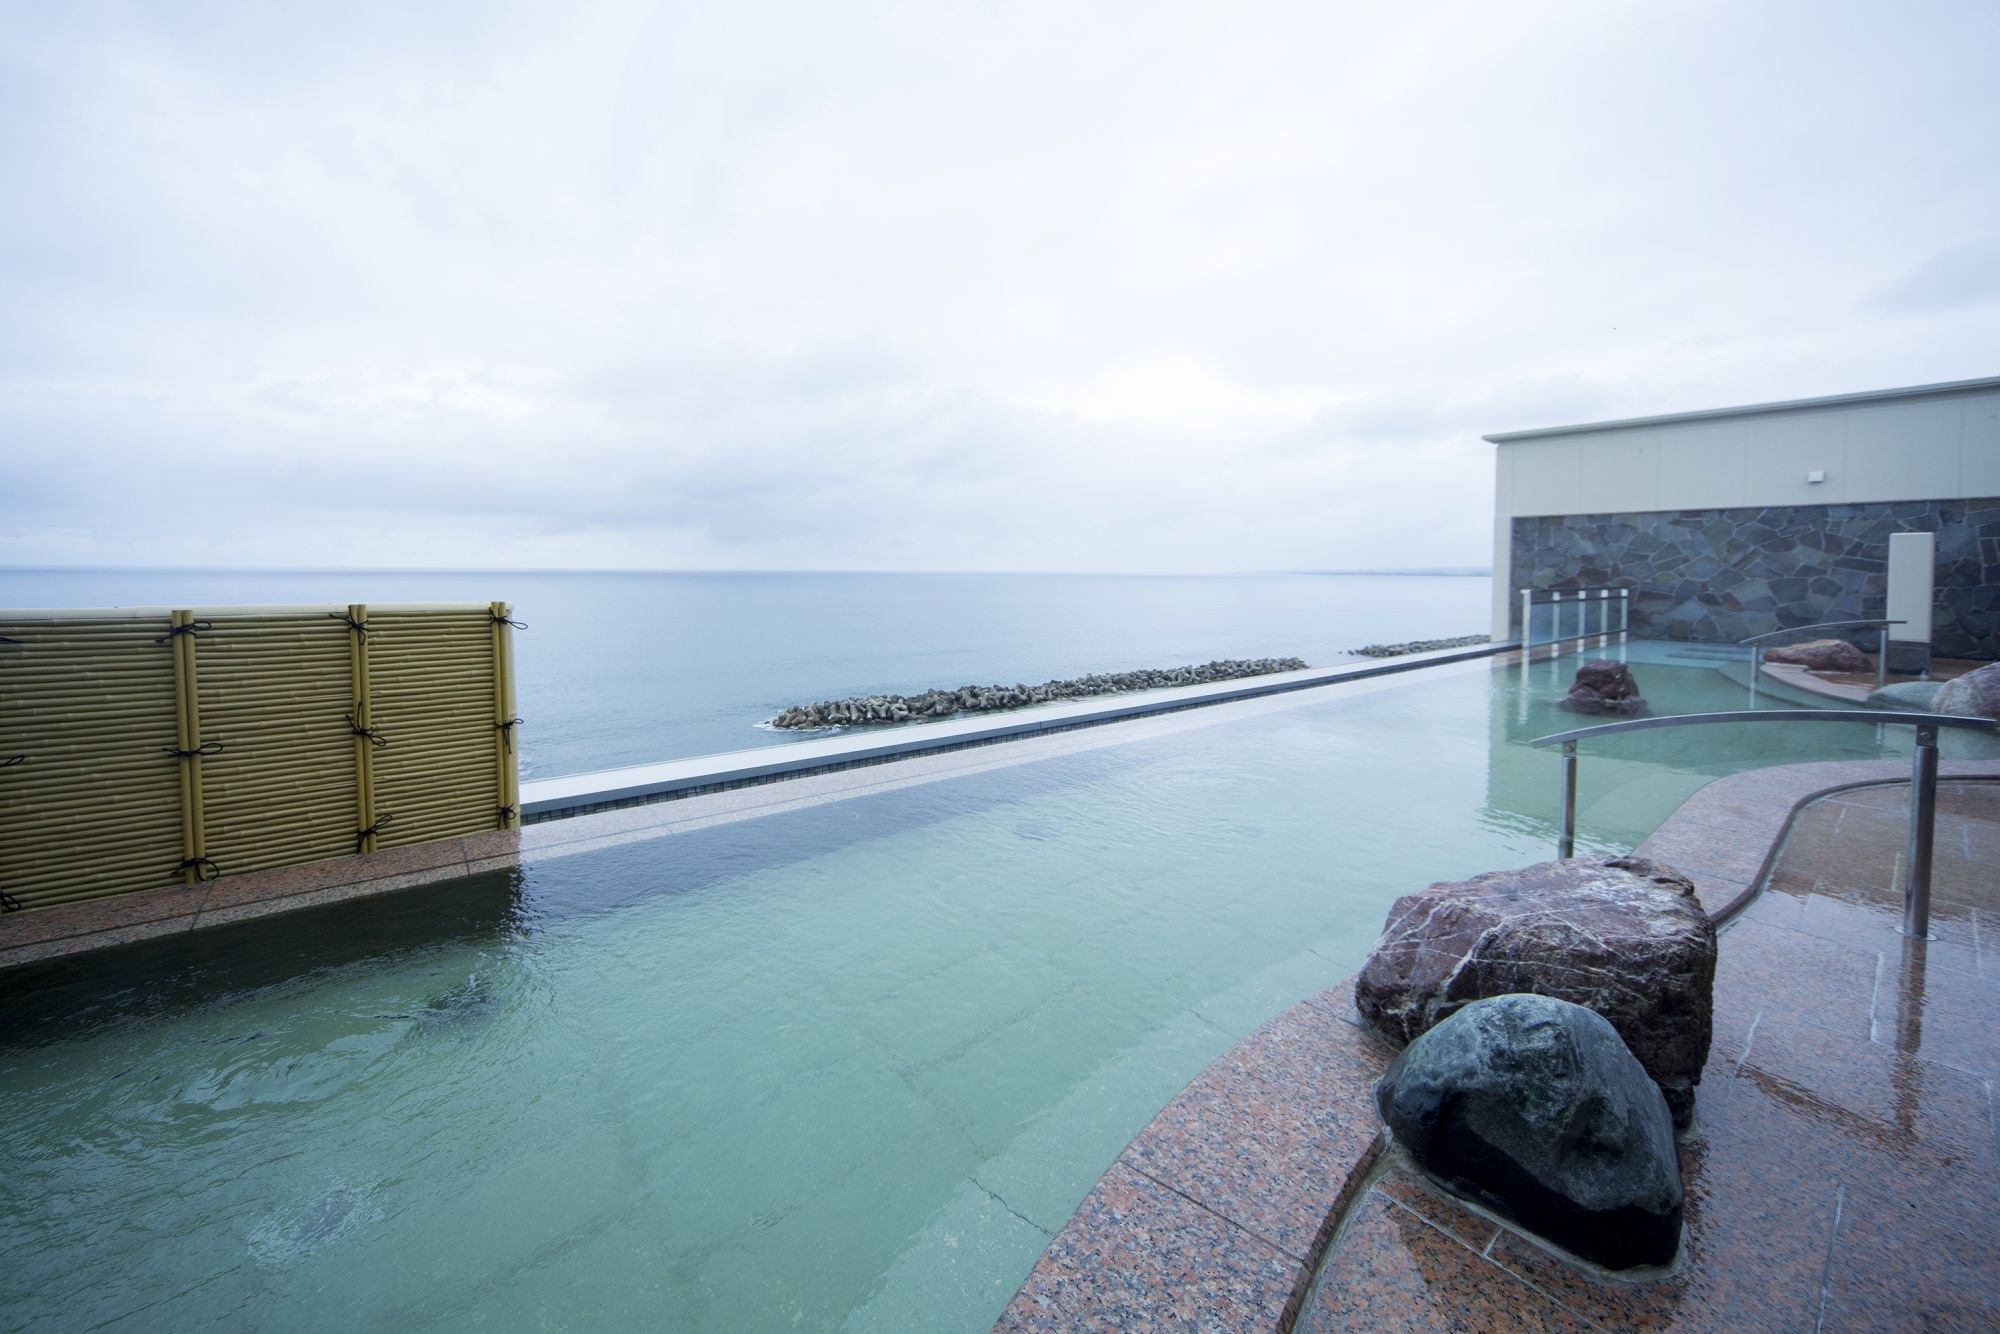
(618, 668)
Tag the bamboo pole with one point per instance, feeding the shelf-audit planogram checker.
(191, 689)
(364, 717)
(184, 739)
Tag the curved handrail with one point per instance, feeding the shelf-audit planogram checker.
(1881, 648)
(1773, 716)
(1816, 625)
(1923, 779)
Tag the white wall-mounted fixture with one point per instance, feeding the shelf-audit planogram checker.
(1816, 475)
(1912, 561)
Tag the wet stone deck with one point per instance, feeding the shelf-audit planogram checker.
(1843, 1174)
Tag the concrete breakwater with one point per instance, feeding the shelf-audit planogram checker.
(1420, 646)
(866, 709)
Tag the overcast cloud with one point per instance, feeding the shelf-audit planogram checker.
(1155, 286)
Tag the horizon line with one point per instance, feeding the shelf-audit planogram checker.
(1443, 571)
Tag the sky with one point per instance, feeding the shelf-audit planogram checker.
(1150, 287)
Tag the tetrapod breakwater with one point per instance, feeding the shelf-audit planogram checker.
(864, 710)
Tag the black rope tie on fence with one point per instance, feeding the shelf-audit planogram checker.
(506, 731)
(375, 738)
(193, 753)
(175, 632)
(361, 835)
(498, 619)
(204, 869)
(8, 903)
(358, 627)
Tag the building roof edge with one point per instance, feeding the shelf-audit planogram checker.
(1752, 409)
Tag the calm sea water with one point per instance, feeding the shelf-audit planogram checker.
(627, 668)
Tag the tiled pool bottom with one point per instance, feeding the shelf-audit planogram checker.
(850, 1065)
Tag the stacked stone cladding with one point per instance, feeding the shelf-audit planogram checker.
(1723, 575)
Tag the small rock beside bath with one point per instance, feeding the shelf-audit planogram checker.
(1534, 1107)
(1821, 655)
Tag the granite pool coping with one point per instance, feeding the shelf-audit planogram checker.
(1218, 1215)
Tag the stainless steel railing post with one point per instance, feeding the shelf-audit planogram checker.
(1527, 621)
(1923, 824)
(1566, 835)
(1882, 660)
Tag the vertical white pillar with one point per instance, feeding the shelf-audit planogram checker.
(1912, 568)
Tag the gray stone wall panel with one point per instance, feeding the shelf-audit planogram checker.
(1725, 575)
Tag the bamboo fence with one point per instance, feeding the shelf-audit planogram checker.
(152, 747)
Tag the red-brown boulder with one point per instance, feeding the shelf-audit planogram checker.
(1619, 935)
(1604, 686)
(1821, 655)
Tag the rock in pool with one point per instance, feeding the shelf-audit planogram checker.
(1604, 686)
(1533, 1107)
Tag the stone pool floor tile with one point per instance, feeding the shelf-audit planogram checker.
(1441, 1211)
(1269, 1153)
(1876, 1113)
(1914, 1260)
(1393, 1271)
(1139, 1256)
(1772, 967)
(1939, 1011)
(1873, 920)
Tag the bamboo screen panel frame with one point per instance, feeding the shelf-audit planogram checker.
(275, 690)
(431, 686)
(161, 746)
(90, 702)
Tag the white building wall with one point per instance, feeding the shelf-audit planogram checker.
(1939, 445)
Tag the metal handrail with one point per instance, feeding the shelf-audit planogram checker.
(1881, 656)
(1817, 625)
(1923, 779)
(1555, 597)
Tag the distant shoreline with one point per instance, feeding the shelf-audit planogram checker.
(1444, 571)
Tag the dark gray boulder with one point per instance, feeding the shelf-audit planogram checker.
(1533, 1107)
(1622, 935)
(1603, 686)
(1974, 695)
